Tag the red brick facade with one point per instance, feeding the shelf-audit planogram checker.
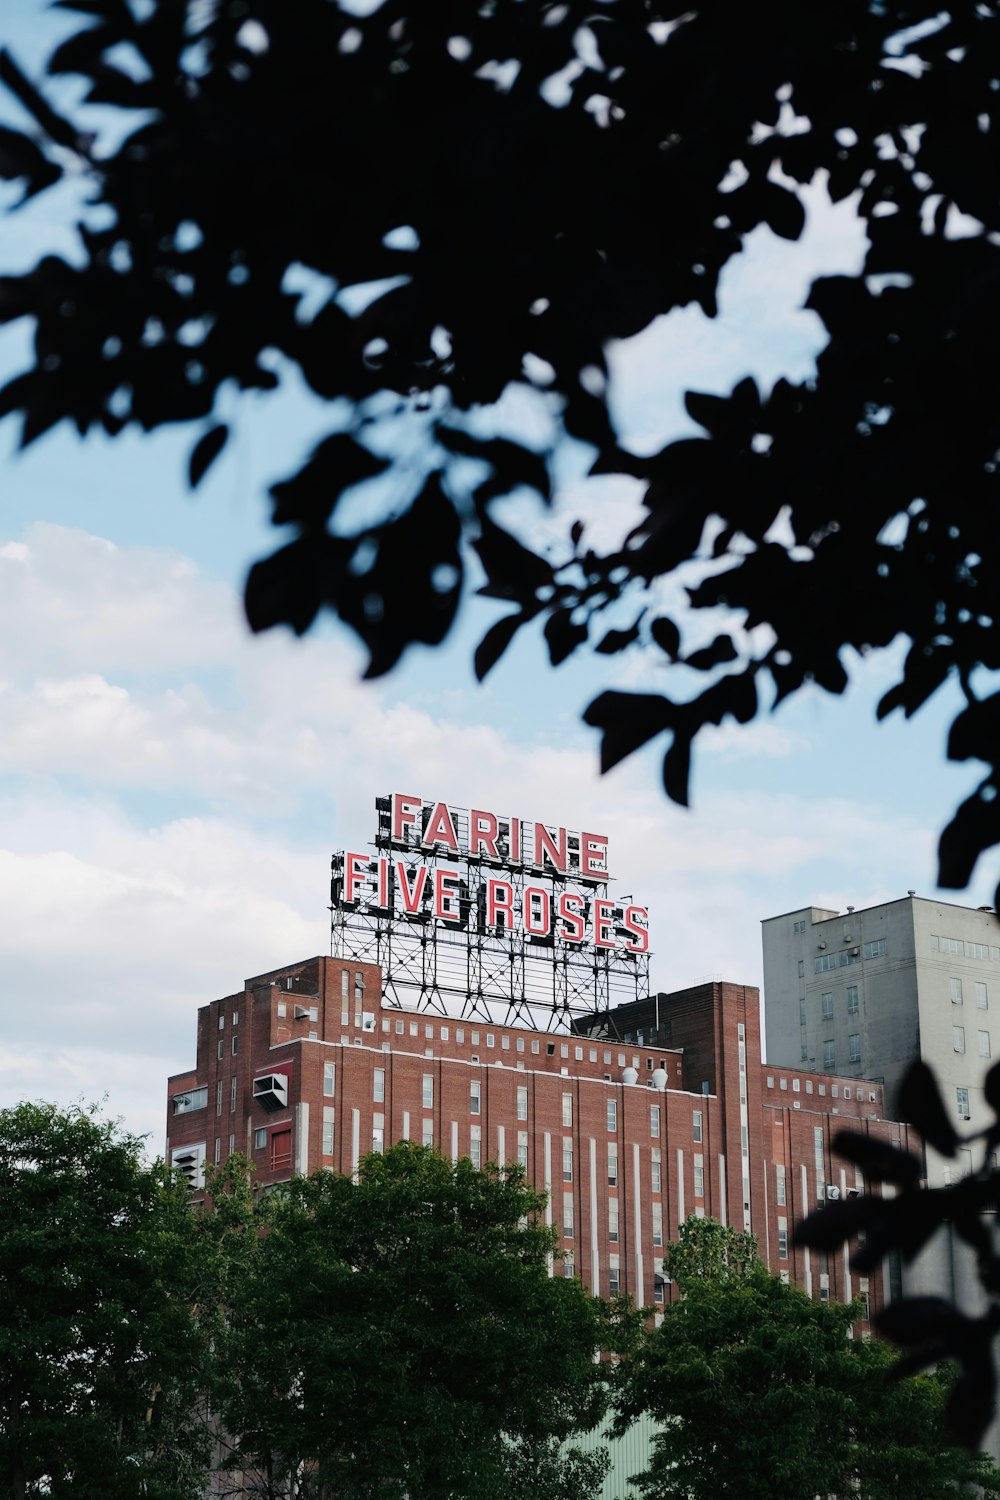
(703, 1127)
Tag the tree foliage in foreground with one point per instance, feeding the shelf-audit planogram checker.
(763, 1396)
(401, 1335)
(104, 1331)
(518, 185)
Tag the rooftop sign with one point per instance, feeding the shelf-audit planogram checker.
(490, 874)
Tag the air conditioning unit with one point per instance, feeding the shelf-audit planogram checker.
(832, 1191)
(821, 945)
(854, 1192)
(367, 1021)
(300, 1012)
(270, 1091)
(856, 952)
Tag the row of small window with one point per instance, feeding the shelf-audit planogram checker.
(853, 1055)
(222, 1047)
(964, 950)
(826, 1005)
(958, 1041)
(827, 961)
(820, 1088)
(958, 995)
(222, 1019)
(614, 1234)
(444, 1033)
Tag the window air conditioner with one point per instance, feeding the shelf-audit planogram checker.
(301, 1012)
(832, 1191)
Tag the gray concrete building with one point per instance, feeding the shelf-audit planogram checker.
(862, 993)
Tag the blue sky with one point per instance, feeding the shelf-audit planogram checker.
(171, 789)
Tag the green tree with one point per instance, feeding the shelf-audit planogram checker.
(398, 1333)
(763, 1396)
(708, 1250)
(103, 1353)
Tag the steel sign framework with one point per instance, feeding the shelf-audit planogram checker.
(477, 916)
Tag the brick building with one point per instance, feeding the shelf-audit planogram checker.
(306, 1067)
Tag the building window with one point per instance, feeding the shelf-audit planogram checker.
(981, 1001)
(522, 1149)
(984, 1043)
(282, 1008)
(476, 1146)
(852, 1000)
(359, 985)
(400, 1028)
(221, 1048)
(696, 1126)
(958, 1038)
(612, 1115)
(863, 1294)
(378, 1091)
(977, 950)
(955, 985)
(779, 1184)
(218, 1097)
(875, 949)
(854, 1042)
(281, 1150)
(327, 1132)
(520, 1044)
(699, 1176)
(796, 1086)
(657, 1223)
(826, 1005)
(802, 1012)
(654, 1121)
(260, 1138)
(802, 968)
(522, 1103)
(218, 1149)
(427, 1091)
(657, 1171)
(824, 1286)
(962, 1100)
(613, 1220)
(567, 1109)
(568, 1215)
(567, 1265)
(329, 1076)
(475, 1097)
(222, 1022)
(614, 1281)
(568, 1159)
(799, 925)
(232, 1096)
(378, 1133)
(829, 1054)
(612, 1164)
(427, 1133)
(782, 1239)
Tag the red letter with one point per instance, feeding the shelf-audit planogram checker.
(383, 883)
(570, 908)
(641, 944)
(411, 899)
(515, 841)
(404, 811)
(483, 833)
(594, 853)
(553, 848)
(443, 891)
(355, 870)
(499, 901)
(543, 926)
(440, 829)
(603, 911)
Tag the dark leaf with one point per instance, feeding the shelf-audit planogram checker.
(495, 642)
(991, 1088)
(628, 720)
(617, 640)
(310, 496)
(877, 1159)
(721, 650)
(667, 636)
(514, 572)
(205, 452)
(20, 157)
(513, 464)
(920, 1104)
(563, 635)
(576, 533)
(975, 827)
(920, 1320)
(923, 674)
(783, 211)
(677, 769)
